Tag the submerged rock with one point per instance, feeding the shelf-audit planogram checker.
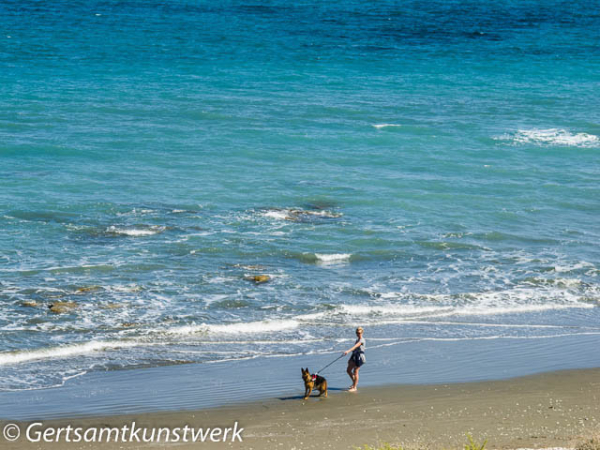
(30, 304)
(112, 306)
(62, 307)
(86, 289)
(259, 279)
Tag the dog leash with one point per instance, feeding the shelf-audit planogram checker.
(316, 373)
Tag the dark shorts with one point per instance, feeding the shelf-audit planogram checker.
(358, 359)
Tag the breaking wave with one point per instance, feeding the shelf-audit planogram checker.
(553, 137)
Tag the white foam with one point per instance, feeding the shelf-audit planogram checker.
(323, 213)
(124, 288)
(135, 232)
(396, 310)
(32, 383)
(570, 268)
(279, 215)
(61, 352)
(220, 280)
(255, 327)
(137, 212)
(56, 268)
(511, 301)
(485, 310)
(380, 126)
(313, 316)
(552, 136)
(333, 258)
(297, 213)
(266, 326)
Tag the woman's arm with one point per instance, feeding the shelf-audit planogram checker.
(354, 347)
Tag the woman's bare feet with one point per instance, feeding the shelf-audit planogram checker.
(352, 389)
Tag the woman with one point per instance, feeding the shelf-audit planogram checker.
(357, 359)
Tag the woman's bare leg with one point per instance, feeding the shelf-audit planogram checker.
(355, 379)
(350, 371)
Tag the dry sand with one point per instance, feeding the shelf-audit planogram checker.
(558, 409)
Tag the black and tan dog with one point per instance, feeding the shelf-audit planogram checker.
(313, 382)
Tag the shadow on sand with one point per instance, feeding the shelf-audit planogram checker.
(301, 397)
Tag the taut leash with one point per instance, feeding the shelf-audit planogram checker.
(336, 359)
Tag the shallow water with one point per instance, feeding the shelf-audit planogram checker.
(426, 170)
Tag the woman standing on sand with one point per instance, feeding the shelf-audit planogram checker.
(357, 359)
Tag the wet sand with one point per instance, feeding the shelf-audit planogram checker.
(556, 409)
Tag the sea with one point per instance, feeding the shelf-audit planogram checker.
(200, 183)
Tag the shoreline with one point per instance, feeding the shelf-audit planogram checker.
(554, 409)
(194, 387)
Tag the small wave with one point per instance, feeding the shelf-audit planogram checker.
(552, 136)
(135, 231)
(332, 258)
(403, 312)
(381, 126)
(323, 259)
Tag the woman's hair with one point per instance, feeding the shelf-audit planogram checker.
(360, 329)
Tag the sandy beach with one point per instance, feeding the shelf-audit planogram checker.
(556, 409)
(199, 198)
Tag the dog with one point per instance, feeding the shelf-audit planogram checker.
(313, 382)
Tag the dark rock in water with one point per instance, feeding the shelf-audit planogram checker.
(260, 279)
(86, 289)
(30, 304)
(128, 324)
(320, 204)
(62, 307)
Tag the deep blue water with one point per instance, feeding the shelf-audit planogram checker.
(428, 170)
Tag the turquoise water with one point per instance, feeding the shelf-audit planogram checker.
(428, 170)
